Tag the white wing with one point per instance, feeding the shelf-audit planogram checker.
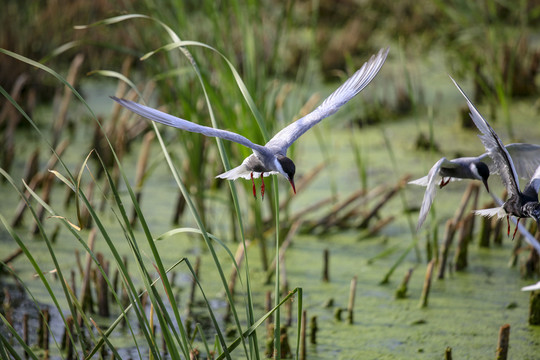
(431, 187)
(350, 88)
(166, 119)
(494, 148)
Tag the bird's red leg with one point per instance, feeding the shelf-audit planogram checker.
(262, 186)
(515, 231)
(254, 190)
(444, 183)
(508, 222)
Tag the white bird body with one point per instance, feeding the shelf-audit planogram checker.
(271, 158)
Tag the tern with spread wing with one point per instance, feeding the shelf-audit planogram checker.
(519, 204)
(526, 159)
(271, 158)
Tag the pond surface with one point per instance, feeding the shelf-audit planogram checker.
(465, 310)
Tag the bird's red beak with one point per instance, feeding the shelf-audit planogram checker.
(292, 184)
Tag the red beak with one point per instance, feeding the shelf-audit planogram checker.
(292, 184)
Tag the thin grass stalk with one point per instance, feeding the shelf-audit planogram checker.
(262, 319)
(52, 72)
(179, 44)
(6, 346)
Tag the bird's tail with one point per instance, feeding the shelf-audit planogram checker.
(499, 211)
(238, 172)
(423, 181)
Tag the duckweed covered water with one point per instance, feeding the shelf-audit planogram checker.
(465, 310)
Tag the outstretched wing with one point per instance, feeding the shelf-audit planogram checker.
(526, 158)
(431, 187)
(495, 149)
(166, 119)
(356, 83)
(531, 190)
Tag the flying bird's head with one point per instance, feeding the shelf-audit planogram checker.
(481, 172)
(286, 168)
(533, 210)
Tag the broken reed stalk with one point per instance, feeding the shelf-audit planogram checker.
(191, 299)
(32, 166)
(448, 353)
(471, 191)
(427, 284)
(378, 226)
(534, 308)
(86, 295)
(352, 295)
(401, 292)
(12, 256)
(303, 349)
(453, 224)
(389, 195)
(43, 330)
(238, 258)
(485, 228)
(326, 260)
(449, 232)
(179, 210)
(25, 332)
(46, 197)
(61, 117)
(269, 320)
(465, 236)
(303, 182)
(504, 340)
(288, 239)
(313, 328)
(66, 339)
(314, 207)
(142, 165)
(102, 288)
(12, 117)
(37, 181)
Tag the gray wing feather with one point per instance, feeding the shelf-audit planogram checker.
(495, 148)
(534, 184)
(526, 158)
(166, 119)
(356, 83)
(431, 188)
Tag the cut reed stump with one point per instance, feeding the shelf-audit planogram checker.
(465, 236)
(448, 353)
(427, 284)
(142, 165)
(504, 339)
(352, 295)
(303, 336)
(313, 328)
(486, 228)
(449, 232)
(326, 260)
(401, 292)
(534, 308)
